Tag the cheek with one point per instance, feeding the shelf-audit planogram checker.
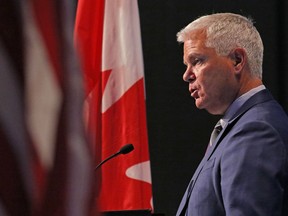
(211, 92)
(223, 89)
(207, 83)
(214, 83)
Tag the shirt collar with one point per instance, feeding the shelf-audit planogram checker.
(234, 107)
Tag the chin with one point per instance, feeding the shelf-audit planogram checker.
(210, 110)
(214, 111)
(199, 104)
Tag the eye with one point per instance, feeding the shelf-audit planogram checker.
(196, 61)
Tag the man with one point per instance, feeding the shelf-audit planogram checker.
(245, 169)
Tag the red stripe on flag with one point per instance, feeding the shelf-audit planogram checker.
(46, 18)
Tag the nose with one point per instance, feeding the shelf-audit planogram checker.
(188, 75)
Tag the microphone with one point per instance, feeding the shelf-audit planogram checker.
(123, 150)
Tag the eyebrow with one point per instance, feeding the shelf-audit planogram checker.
(192, 56)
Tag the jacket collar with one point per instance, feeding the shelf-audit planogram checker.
(258, 98)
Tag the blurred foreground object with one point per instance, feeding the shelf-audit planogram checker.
(46, 166)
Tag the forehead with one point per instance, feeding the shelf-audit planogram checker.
(191, 46)
(196, 39)
(195, 47)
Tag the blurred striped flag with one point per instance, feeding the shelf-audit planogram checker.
(46, 166)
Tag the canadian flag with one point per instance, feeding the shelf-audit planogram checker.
(109, 42)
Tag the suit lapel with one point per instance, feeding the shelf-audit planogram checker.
(258, 98)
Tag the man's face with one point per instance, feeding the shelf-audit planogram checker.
(212, 82)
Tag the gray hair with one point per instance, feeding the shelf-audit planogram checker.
(226, 31)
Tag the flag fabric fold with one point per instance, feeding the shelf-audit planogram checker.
(109, 41)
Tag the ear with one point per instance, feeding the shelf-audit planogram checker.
(239, 59)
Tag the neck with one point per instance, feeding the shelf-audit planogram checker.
(248, 83)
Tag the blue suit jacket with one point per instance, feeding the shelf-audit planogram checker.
(245, 173)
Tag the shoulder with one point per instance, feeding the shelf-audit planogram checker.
(267, 116)
(260, 134)
(263, 127)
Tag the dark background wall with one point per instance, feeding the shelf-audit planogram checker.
(178, 132)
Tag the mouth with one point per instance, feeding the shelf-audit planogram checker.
(194, 93)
